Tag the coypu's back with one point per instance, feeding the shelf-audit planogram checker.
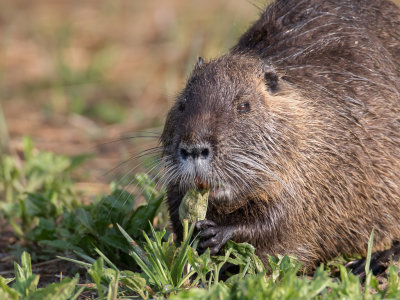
(332, 40)
(299, 31)
(298, 129)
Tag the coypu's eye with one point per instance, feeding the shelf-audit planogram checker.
(182, 105)
(243, 107)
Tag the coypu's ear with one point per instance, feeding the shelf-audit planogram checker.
(271, 79)
(200, 62)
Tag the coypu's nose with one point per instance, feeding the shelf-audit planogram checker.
(194, 151)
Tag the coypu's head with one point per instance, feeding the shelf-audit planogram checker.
(227, 130)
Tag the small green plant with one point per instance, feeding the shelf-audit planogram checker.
(168, 267)
(162, 262)
(25, 285)
(94, 225)
(39, 203)
(35, 194)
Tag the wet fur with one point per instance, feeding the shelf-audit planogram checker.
(315, 164)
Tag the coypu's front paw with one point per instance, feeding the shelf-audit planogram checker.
(213, 236)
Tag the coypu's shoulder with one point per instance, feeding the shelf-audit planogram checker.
(347, 48)
(313, 31)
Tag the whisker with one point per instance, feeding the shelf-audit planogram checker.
(146, 152)
(130, 137)
(130, 191)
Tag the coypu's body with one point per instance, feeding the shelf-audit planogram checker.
(296, 131)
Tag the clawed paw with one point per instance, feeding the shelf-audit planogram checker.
(379, 261)
(212, 236)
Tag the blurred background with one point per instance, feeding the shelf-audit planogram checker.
(83, 76)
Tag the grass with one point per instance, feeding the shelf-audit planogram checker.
(122, 255)
(47, 216)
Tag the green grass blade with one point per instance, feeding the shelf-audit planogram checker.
(85, 257)
(77, 294)
(157, 259)
(158, 241)
(78, 262)
(136, 248)
(26, 263)
(368, 272)
(113, 287)
(145, 268)
(158, 269)
(369, 253)
(106, 259)
(182, 259)
(185, 278)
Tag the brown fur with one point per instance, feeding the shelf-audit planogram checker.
(322, 137)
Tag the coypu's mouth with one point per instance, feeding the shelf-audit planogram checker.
(222, 192)
(219, 191)
(201, 183)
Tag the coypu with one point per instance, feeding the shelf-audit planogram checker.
(296, 131)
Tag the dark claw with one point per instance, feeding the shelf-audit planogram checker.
(210, 243)
(215, 250)
(379, 261)
(357, 267)
(209, 232)
(201, 225)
